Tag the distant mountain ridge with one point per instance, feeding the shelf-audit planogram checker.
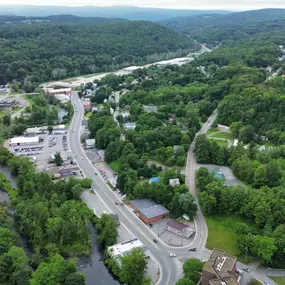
(57, 19)
(125, 12)
(187, 24)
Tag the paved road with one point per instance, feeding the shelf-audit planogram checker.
(170, 268)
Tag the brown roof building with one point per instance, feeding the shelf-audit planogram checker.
(220, 269)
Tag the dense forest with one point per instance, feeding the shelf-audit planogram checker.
(31, 54)
(216, 28)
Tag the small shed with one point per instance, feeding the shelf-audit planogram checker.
(90, 143)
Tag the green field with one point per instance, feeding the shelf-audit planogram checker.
(212, 130)
(115, 165)
(278, 280)
(222, 143)
(221, 235)
(223, 135)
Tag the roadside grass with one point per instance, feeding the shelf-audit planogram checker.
(88, 115)
(115, 165)
(222, 235)
(279, 280)
(223, 135)
(212, 130)
(222, 143)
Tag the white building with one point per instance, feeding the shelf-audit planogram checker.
(179, 229)
(129, 126)
(90, 143)
(117, 251)
(24, 141)
(174, 181)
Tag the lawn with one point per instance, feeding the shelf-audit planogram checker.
(221, 235)
(115, 165)
(222, 143)
(88, 115)
(278, 280)
(212, 130)
(223, 135)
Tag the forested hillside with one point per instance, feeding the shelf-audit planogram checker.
(35, 53)
(215, 28)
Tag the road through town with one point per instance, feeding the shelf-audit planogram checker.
(169, 268)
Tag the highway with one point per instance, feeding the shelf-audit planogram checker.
(170, 268)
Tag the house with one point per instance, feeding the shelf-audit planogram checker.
(115, 217)
(262, 148)
(66, 171)
(174, 181)
(150, 108)
(52, 91)
(220, 269)
(179, 229)
(129, 126)
(24, 141)
(8, 103)
(148, 211)
(90, 143)
(154, 179)
(219, 175)
(119, 250)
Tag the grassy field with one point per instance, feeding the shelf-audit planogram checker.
(212, 130)
(115, 165)
(223, 135)
(221, 235)
(222, 143)
(278, 280)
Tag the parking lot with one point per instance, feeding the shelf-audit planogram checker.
(106, 172)
(41, 153)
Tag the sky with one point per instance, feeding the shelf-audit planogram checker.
(174, 4)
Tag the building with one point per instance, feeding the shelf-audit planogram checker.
(66, 171)
(63, 98)
(129, 126)
(148, 211)
(117, 251)
(154, 179)
(115, 217)
(179, 229)
(219, 175)
(24, 141)
(8, 102)
(51, 91)
(220, 269)
(174, 181)
(150, 108)
(90, 143)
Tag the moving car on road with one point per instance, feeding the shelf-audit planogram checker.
(192, 249)
(245, 269)
(155, 240)
(172, 254)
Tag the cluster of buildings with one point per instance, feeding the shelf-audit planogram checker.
(8, 103)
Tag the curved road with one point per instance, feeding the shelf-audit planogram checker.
(169, 267)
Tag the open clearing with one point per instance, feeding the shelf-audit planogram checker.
(278, 280)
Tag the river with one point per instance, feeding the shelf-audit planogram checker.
(92, 267)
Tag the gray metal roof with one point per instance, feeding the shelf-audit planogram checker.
(149, 208)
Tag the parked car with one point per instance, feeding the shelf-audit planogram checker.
(151, 225)
(172, 254)
(116, 203)
(245, 269)
(155, 240)
(238, 271)
(122, 204)
(192, 249)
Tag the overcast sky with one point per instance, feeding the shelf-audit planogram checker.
(176, 4)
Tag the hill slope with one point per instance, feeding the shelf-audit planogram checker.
(126, 12)
(48, 52)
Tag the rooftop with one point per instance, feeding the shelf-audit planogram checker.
(17, 140)
(154, 179)
(230, 280)
(174, 181)
(7, 101)
(149, 208)
(90, 141)
(222, 262)
(123, 248)
(176, 225)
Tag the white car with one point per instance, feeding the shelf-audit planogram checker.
(74, 155)
(172, 254)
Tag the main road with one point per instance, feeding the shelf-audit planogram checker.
(170, 268)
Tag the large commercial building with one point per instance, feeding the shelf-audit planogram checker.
(24, 141)
(66, 91)
(220, 269)
(117, 251)
(149, 211)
